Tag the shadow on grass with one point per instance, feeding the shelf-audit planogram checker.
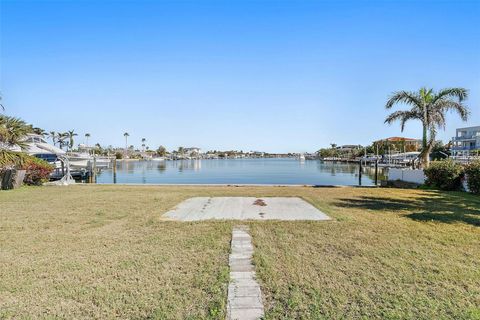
(440, 206)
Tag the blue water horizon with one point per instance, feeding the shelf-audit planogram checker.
(259, 171)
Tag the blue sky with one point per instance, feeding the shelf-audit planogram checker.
(253, 75)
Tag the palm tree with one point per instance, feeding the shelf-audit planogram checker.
(53, 135)
(430, 108)
(13, 131)
(126, 135)
(1, 105)
(39, 131)
(62, 136)
(143, 144)
(162, 151)
(70, 135)
(87, 135)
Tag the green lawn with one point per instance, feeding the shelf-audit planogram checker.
(96, 251)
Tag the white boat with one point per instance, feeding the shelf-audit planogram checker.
(85, 160)
(38, 147)
(35, 145)
(301, 157)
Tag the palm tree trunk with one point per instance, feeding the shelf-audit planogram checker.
(424, 137)
(424, 154)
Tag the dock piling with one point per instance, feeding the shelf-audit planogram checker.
(360, 173)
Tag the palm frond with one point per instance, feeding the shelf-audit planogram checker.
(403, 117)
(438, 119)
(450, 105)
(13, 131)
(459, 93)
(405, 97)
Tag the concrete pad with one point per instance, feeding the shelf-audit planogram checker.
(243, 208)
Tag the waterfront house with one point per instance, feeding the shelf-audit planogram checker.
(466, 141)
(398, 144)
(191, 152)
(348, 148)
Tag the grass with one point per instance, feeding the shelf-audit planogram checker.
(105, 252)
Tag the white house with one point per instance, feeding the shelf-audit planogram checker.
(466, 141)
(192, 151)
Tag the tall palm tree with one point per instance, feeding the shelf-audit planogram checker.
(70, 135)
(61, 137)
(143, 144)
(126, 135)
(87, 135)
(53, 135)
(429, 107)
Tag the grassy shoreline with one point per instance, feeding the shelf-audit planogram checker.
(103, 251)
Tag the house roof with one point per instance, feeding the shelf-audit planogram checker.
(397, 139)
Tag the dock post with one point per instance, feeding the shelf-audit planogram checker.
(94, 170)
(114, 170)
(89, 172)
(360, 173)
(376, 172)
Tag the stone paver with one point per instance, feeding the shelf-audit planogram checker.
(244, 294)
(244, 208)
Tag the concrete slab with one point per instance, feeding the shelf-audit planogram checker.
(245, 208)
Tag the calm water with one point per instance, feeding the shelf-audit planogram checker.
(237, 171)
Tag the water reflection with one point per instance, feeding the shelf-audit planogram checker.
(162, 166)
(239, 171)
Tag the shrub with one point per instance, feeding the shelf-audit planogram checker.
(473, 176)
(444, 175)
(38, 171)
(118, 155)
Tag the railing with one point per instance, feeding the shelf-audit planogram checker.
(469, 148)
(467, 137)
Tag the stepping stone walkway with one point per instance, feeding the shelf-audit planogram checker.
(244, 294)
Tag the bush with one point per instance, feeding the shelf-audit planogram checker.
(118, 155)
(473, 176)
(444, 175)
(38, 171)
